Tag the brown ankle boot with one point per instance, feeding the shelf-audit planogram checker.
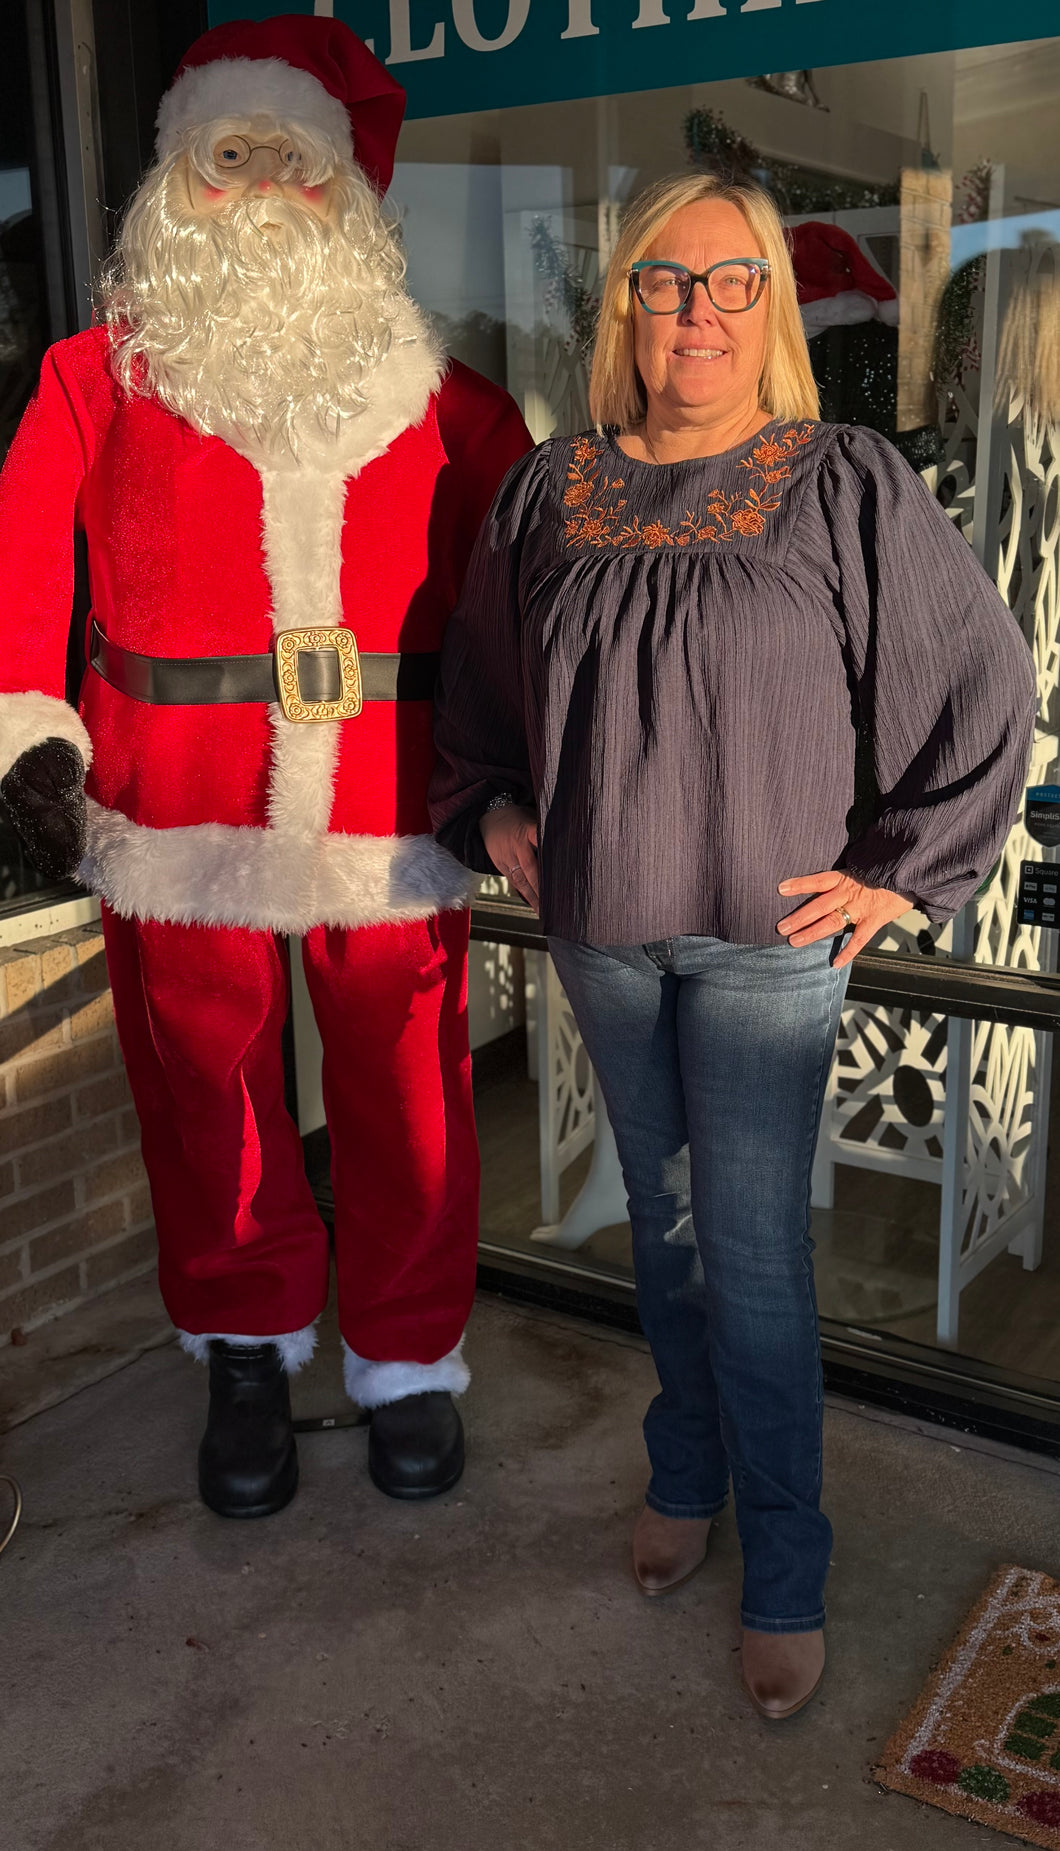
(667, 1551)
(782, 1670)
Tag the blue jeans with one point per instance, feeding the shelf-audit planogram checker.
(713, 1060)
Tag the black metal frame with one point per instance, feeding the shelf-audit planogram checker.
(933, 986)
(138, 49)
(138, 46)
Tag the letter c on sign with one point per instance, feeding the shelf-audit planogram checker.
(467, 25)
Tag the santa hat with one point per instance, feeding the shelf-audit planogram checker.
(298, 68)
(837, 284)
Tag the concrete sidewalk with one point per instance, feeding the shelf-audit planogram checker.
(477, 1674)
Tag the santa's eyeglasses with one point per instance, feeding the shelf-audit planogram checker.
(662, 288)
(235, 151)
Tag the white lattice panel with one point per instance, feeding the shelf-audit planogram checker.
(565, 1085)
(892, 1064)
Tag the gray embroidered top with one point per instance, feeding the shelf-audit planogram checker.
(714, 674)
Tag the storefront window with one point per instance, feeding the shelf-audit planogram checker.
(923, 198)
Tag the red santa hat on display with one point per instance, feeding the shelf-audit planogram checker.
(298, 68)
(838, 285)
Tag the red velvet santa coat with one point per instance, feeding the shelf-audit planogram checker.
(231, 814)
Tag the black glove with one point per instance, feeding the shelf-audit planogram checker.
(44, 794)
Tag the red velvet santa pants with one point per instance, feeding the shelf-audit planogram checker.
(242, 1249)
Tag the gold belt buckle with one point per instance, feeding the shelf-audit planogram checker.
(344, 643)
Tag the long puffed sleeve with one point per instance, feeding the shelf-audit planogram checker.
(39, 487)
(942, 680)
(479, 728)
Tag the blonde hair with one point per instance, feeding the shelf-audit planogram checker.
(1028, 360)
(787, 388)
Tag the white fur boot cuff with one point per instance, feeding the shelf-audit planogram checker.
(295, 1346)
(373, 1384)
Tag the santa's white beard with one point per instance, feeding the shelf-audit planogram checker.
(262, 324)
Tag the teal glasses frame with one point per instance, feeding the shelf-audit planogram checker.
(698, 276)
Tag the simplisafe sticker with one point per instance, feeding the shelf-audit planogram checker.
(1042, 815)
(1039, 887)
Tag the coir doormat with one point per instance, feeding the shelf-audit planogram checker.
(984, 1738)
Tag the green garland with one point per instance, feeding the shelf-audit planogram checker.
(712, 143)
(564, 286)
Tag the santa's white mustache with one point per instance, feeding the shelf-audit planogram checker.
(274, 208)
(261, 237)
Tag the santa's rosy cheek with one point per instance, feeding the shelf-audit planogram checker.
(314, 194)
(212, 192)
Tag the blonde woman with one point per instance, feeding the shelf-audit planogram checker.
(726, 693)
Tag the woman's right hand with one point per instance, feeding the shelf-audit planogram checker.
(510, 836)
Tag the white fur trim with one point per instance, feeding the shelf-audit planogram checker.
(231, 89)
(373, 1385)
(219, 874)
(29, 719)
(397, 395)
(843, 311)
(303, 513)
(295, 1346)
(302, 519)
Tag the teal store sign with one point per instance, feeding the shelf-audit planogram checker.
(457, 55)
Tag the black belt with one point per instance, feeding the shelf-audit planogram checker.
(309, 670)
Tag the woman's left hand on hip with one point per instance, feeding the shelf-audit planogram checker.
(839, 904)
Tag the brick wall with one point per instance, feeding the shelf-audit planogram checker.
(75, 1215)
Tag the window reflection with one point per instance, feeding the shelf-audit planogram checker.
(26, 312)
(923, 201)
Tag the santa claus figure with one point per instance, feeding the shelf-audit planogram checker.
(280, 481)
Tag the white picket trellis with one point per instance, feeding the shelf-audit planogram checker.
(966, 1104)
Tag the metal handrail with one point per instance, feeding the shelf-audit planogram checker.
(930, 985)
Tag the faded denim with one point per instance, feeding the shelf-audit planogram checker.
(713, 1060)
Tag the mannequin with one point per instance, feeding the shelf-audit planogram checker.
(280, 480)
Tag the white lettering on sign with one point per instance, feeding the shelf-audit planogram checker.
(401, 51)
(580, 21)
(467, 25)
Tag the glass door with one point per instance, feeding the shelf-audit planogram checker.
(48, 239)
(935, 182)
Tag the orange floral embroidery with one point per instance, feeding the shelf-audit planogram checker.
(586, 489)
(595, 519)
(768, 451)
(578, 494)
(749, 520)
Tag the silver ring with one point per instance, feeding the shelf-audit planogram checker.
(844, 915)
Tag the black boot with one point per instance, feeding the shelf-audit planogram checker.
(416, 1446)
(248, 1466)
